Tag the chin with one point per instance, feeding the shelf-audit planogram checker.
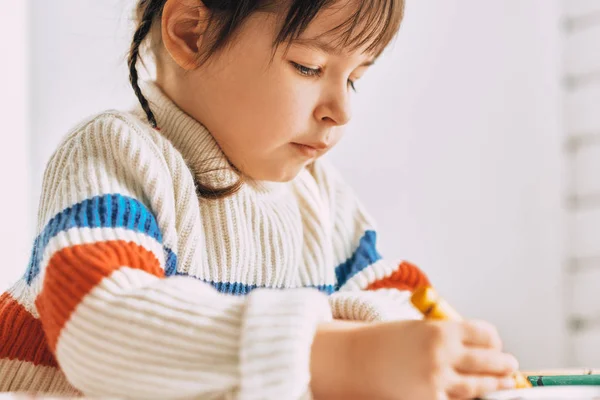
(283, 174)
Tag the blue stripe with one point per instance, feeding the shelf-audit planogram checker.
(170, 262)
(241, 289)
(108, 211)
(120, 211)
(365, 255)
(94, 210)
(327, 289)
(131, 209)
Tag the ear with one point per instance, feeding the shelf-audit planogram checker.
(183, 27)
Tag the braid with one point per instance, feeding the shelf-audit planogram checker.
(134, 52)
(147, 10)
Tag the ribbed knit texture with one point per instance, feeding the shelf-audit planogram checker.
(137, 288)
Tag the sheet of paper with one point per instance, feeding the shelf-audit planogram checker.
(548, 393)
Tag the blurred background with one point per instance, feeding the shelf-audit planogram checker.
(475, 144)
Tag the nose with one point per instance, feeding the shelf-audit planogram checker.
(335, 110)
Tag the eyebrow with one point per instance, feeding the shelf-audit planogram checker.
(320, 45)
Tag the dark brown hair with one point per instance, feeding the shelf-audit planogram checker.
(378, 20)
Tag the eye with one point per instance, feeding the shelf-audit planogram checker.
(316, 72)
(306, 71)
(352, 84)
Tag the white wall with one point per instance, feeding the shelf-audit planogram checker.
(78, 68)
(15, 226)
(582, 123)
(455, 146)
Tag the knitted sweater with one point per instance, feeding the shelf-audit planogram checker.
(139, 288)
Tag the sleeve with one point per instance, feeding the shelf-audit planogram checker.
(118, 325)
(368, 287)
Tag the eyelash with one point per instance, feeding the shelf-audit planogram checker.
(315, 72)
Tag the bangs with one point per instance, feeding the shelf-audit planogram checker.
(372, 25)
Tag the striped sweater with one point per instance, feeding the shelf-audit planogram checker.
(138, 288)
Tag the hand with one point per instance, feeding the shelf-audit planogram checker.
(409, 360)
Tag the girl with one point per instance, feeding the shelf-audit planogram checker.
(197, 246)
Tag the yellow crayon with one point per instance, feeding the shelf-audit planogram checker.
(432, 306)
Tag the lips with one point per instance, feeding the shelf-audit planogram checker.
(307, 150)
(315, 145)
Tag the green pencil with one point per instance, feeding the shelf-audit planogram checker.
(564, 380)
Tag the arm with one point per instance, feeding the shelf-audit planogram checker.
(379, 292)
(369, 288)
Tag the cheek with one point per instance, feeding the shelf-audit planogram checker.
(261, 105)
(275, 112)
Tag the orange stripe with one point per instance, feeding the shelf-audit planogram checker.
(74, 271)
(21, 335)
(407, 277)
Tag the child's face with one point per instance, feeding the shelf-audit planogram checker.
(272, 117)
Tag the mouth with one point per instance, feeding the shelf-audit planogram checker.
(310, 151)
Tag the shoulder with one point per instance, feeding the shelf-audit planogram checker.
(112, 125)
(111, 133)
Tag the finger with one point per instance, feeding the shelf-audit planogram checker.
(472, 386)
(485, 361)
(481, 334)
